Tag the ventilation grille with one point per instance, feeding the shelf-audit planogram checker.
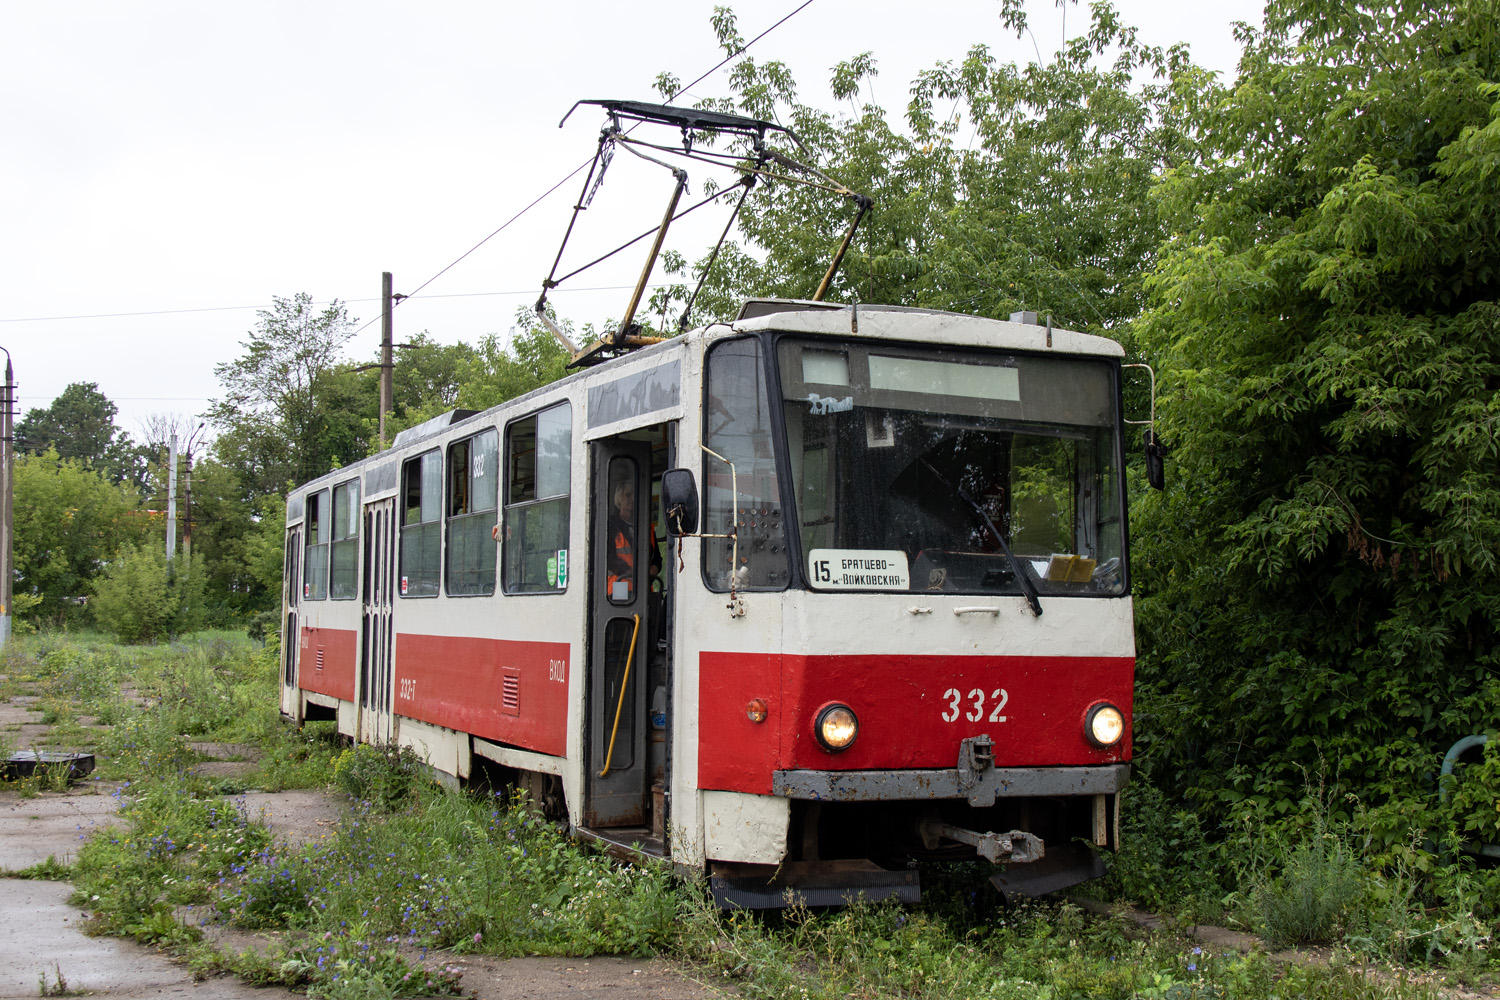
(510, 694)
(320, 657)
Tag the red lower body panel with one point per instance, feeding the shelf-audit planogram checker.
(913, 711)
(326, 660)
(514, 693)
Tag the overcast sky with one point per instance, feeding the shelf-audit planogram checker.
(185, 162)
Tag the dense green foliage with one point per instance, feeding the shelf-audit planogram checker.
(69, 521)
(277, 421)
(1321, 585)
(294, 408)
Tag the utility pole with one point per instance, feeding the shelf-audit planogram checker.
(172, 497)
(7, 507)
(387, 387)
(187, 495)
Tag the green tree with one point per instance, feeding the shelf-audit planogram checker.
(285, 415)
(69, 521)
(478, 377)
(1011, 187)
(80, 424)
(223, 524)
(264, 549)
(425, 382)
(1323, 577)
(501, 371)
(143, 597)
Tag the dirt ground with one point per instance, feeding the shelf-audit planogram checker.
(40, 939)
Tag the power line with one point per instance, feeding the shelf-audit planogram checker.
(141, 399)
(208, 309)
(740, 51)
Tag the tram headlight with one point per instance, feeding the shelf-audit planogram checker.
(1104, 725)
(836, 727)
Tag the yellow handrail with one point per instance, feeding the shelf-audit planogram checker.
(624, 683)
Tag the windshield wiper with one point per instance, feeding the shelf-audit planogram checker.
(1027, 587)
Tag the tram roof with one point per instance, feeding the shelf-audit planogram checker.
(909, 323)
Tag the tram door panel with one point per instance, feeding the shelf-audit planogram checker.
(377, 590)
(616, 778)
(292, 585)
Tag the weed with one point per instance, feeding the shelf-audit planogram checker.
(302, 758)
(145, 745)
(59, 985)
(50, 870)
(415, 866)
(1312, 900)
(345, 966)
(1165, 862)
(1100, 980)
(160, 926)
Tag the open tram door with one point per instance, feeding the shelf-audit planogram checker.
(291, 582)
(626, 706)
(377, 593)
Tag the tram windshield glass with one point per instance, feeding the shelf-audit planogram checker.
(916, 469)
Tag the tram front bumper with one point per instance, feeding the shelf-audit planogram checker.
(980, 787)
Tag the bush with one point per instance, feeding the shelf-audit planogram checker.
(143, 596)
(384, 776)
(263, 625)
(22, 603)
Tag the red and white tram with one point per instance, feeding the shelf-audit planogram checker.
(900, 628)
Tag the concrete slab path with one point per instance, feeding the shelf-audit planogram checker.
(53, 823)
(39, 936)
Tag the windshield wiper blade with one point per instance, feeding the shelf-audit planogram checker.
(1027, 587)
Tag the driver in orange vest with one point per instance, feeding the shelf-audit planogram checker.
(622, 544)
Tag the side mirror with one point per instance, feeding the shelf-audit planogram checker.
(679, 501)
(1156, 470)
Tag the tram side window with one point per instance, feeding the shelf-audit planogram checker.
(421, 527)
(738, 427)
(472, 472)
(315, 566)
(539, 456)
(344, 549)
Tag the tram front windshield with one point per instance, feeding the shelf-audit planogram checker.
(935, 469)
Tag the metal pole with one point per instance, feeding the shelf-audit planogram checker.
(187, 496)
(172, 497)
(864, 206)
(661, 234)
(387, 387)
(7, 506)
